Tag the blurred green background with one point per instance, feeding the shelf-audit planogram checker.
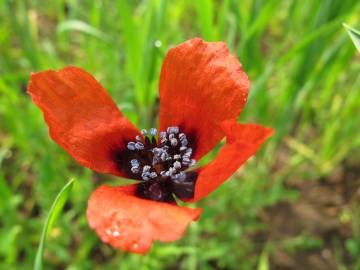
(296, 205)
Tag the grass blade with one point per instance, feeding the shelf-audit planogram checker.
(55, 210)
(76, 25)
(354, 35)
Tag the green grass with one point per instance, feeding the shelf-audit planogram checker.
(54, 213)
(305, 83)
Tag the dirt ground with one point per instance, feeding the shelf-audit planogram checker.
(322, 211)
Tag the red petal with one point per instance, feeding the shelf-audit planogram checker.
(131, 224)
(82, 117)
(201, 85)
(242, 141)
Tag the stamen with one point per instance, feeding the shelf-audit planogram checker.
(173, 142)
(139, 146)
(131, 146)
(182, 136)
(159, 162)
(153, 131)
(186, 161)
(177, 165)
(181, 176)
(162, 134)
(173, 130)
(184, 142)
(134, 162)
(145, 176)
(172, 170)
(164, 156)
(144, 132)
(146, 168)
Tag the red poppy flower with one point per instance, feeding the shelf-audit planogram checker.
(202, 91)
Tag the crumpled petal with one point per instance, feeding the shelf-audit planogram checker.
(242, 142)
(131, 224)
(82, 118)
(201, 85)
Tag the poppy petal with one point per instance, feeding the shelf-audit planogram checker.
(82, 118)
(201, 85)
(242, 142)
(131, 224)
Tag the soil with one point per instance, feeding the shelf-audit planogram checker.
(319, 213)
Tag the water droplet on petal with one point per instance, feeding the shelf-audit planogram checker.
(116, 233)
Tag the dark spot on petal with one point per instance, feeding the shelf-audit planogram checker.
(155, 191)
(185, 189)
(122, 158)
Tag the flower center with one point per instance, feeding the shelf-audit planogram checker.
(161, 162)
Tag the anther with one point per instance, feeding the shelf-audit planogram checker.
(145, 176)
(155, 160)
(186, 161)
(138, 138)
(163, 156)
(172, 170)
(181, 176)
(146, 168)
(183, 139)
(144, 132)
(162, 134)
(153, 131)
(177, 165)
(135, 169)
(182, 148)
(139, 146)
(134, 162)
(173, 142)
(131, 146)
(173, 130)
(184, 142)
(187, 153)
(182, 136)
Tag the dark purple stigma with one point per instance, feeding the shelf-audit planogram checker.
(162, 163)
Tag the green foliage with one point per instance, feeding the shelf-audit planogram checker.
(305, 83)
(354, 35)
(54, 212)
